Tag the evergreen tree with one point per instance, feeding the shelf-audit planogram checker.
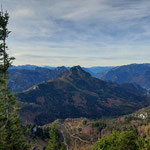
(54, 143)
(126, 140)
(11, 132)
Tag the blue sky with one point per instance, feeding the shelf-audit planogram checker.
(79, 32)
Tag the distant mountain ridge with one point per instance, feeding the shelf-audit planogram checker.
(75, 93)
(24, 76)
(133, 73)
(23, 67)
(134, 87)
(22, 79)
(92, 70)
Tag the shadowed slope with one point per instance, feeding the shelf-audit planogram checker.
(76, 94)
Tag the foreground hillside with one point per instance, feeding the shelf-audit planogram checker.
(82, 133)
(76, 94)
(134, 73)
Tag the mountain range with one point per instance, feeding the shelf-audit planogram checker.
(133, 73)
(24, 77)
(75, 93)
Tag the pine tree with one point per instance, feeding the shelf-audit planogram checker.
(53, 142)
(11, 132)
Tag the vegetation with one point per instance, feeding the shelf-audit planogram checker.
(11, 132)
(73, 93)
(99, 125)
(133, 73)
(54, 140)
(126, 140)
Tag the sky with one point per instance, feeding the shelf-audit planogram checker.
(79, 32)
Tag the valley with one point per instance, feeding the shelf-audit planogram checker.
(81, 133)
(83, 107)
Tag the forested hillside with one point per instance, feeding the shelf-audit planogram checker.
(134, 73)
(75, 93)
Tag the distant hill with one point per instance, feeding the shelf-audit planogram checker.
(75, 93)
(134, 87)
(134, 73)
(23, 78)
(30, 67)
(94, 71)
(23, 67)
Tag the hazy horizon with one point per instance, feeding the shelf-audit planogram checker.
(82, 32)
(76, 65)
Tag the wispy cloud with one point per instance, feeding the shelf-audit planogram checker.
(86, 32)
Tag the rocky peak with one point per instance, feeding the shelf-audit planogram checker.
(76, 72)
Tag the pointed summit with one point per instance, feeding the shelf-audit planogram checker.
(76, 68)
(75, 72)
